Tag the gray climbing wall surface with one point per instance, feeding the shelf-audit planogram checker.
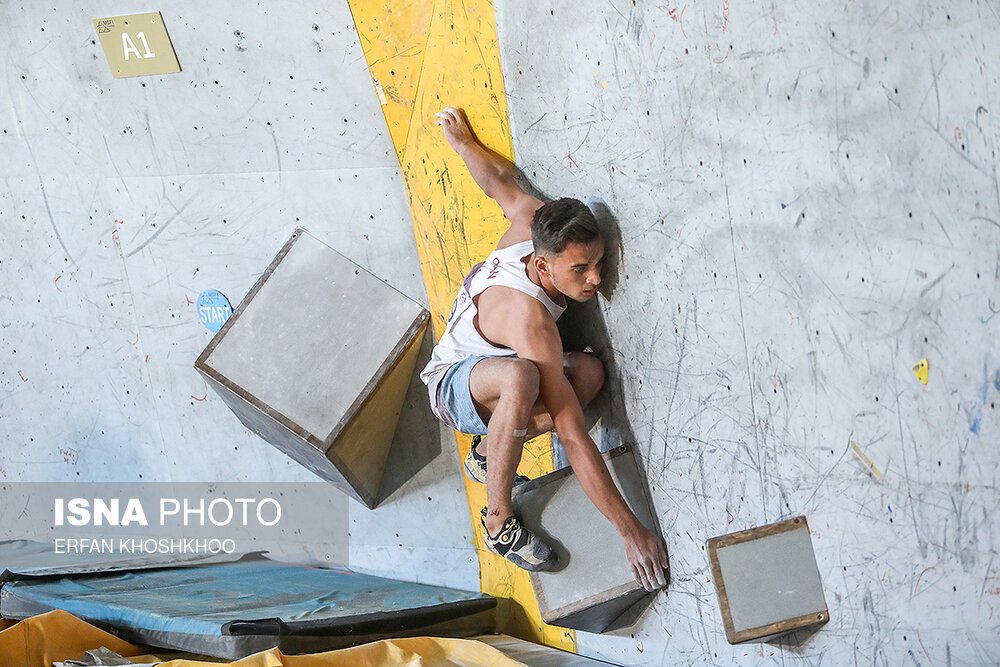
(124, 199)
(808, 204)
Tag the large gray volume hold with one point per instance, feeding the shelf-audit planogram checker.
(316, 360)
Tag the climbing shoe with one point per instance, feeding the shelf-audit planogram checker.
(475, 466)
(519, 546)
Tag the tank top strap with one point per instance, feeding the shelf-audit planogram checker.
(506, 267)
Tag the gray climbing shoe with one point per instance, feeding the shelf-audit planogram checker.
(475, 466)
(519, 546)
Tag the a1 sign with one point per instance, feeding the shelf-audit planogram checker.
(128, 46)
(136, 45)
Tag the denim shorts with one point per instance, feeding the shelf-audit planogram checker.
(453, 401)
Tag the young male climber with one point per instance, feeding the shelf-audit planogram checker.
(499, 370)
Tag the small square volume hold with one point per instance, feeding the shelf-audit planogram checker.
(767, 581)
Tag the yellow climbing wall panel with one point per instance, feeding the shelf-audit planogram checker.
(394, 37)
(425, 55)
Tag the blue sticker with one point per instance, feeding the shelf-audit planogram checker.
(213, 309)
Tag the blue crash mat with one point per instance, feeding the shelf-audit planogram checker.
(234, 609)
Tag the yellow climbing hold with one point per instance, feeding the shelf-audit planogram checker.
(921, 369)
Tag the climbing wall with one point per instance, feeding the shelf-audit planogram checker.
(808, 210)
(808, 205)
(124, 199)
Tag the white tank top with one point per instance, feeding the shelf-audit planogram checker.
(461, 339)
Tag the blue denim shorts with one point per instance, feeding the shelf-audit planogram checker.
(454, 399)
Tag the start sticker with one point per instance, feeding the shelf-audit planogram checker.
(213, 309)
